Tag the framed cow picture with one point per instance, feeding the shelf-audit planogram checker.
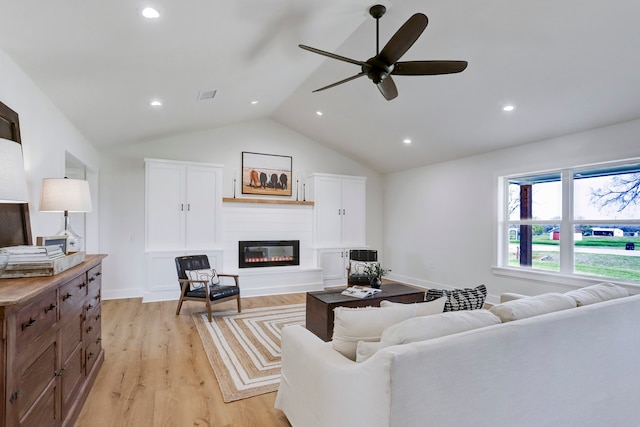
(266, 174)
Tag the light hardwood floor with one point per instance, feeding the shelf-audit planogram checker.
(156, 373)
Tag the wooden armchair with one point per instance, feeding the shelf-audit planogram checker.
(199, 282)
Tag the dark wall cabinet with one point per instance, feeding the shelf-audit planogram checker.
(50, 345)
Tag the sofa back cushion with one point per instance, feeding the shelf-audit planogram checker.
(365, 324)
(532, 306)
(428, 327)
(425, 308)
(597, 293)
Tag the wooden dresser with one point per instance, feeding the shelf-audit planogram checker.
(50, 345)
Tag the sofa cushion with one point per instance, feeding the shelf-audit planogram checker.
(597, 293)
(460, 299)
(425, 308)
(366, 349)
(532, 306)
(428, 327)
(364, 324)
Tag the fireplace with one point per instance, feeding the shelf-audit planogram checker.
(268, 253)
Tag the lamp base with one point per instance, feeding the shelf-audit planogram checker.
(74, 240)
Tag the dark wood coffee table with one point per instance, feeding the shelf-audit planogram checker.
(320, 304)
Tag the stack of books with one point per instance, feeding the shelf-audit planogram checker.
(31, 254)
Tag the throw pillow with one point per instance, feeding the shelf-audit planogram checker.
(597, 293)
(422, 308)
(460, 299)
(204, 274)
(366, 349)
(364, 324)
(428, 327)
(358, 268)
(532, 306)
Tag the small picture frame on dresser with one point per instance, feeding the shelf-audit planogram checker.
(53, 240)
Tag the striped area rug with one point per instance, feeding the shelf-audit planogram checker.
(244, 348)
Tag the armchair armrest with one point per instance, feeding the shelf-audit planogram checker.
(236, 278)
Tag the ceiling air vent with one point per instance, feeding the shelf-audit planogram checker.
(206, 94)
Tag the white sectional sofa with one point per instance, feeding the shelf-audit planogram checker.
(577, 367)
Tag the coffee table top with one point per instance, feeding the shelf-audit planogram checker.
(335, 296)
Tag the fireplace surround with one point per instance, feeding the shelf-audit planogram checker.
(268, 253)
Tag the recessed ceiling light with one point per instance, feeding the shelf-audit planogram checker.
(508, 108)
(254, 102)
(319, 113)
(150, 13)
(407, 141)
(156, 103)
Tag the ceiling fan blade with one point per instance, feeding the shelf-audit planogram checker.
(348, 79)
(403, 39)
(388, 88)
(424, 68)
(331, 55)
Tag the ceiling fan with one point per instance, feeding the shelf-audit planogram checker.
(381, 67)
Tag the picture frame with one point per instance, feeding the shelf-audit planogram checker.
(266, 174)
(53, 240)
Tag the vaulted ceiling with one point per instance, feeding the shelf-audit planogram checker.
(566, 65)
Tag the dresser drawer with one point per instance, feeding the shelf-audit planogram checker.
(72, 294)
(34, 319)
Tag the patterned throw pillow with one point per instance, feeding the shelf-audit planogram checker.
(460, 299)
(357, 268)
(205, 274)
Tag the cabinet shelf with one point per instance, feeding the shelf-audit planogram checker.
(266, 201)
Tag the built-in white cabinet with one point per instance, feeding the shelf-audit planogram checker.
(340, 210)
(339, 222)
(183, 205)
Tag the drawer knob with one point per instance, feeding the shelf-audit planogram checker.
(48, 309)
(89, 306)
(14, 396)
(91, 279)
(82, 285)
(66, 296)
(89, 329)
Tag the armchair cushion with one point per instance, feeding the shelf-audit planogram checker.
(215, 292)
(204, 274)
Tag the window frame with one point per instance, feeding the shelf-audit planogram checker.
(566, 274)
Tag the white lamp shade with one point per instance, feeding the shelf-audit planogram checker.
(13, 179)
(63, 194)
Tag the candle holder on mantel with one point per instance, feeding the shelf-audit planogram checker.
(234, 187)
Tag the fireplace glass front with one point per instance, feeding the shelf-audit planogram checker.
(268, 253)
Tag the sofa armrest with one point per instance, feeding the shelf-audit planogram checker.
(316, 381)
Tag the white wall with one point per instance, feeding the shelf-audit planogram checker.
(122, 186)
(47, 135)
(440, 220)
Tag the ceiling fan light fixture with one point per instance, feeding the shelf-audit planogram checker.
(508, 108)
(254, 102)
(407, 141)
(319, 113)
(156, 103)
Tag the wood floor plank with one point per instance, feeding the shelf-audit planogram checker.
(156, 372)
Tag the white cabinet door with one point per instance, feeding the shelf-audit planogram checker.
(339, 211)
(164, 206)
(353, 212)
(328, 214)
(201, 210)
(333, 264)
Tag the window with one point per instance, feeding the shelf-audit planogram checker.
(579, 221)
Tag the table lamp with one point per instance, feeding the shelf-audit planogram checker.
(66, 195)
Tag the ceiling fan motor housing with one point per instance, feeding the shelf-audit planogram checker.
(376, 69)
